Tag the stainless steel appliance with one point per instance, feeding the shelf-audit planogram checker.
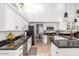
(30, 32)
(76, 34)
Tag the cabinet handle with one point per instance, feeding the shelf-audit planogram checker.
(29, 41)
(57, 52)
(16, 27)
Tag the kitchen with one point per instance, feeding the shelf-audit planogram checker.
(23, 26)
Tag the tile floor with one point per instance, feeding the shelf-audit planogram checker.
(43, 49)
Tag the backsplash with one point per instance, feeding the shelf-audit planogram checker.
(3, 35)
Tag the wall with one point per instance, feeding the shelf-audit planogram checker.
(77, 7)
(51, 24)
(45, 24)
(70, 8)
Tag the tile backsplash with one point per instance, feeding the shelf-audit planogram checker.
(3, 35)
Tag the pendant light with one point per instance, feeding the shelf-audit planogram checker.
(65, 14)
(75, 20)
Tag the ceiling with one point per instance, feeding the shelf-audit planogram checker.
(45, 12)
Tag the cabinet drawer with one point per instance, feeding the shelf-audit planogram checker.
(21, 54)
(7, 53)
(57, 53)
(20, 48)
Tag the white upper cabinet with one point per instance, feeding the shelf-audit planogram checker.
(1, 16)
(11, 19)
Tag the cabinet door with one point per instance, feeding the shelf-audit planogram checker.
(25, 24)
(10, 25)
(17, 21)
(25, 49)
(7, 53)
(29, 43)
(54, 50)
(19, 51)
(2, 16)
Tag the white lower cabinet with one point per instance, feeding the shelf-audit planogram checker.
(54, 50)
(22, 50)
(17, 52)
(29, 44)
(69, 52)
(44, 39)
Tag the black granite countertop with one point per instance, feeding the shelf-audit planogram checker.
(68, 37)
(69, 43)
(66, 43)
(17, 43)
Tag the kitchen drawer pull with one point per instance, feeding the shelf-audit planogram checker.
(29, 41)
(56, 52)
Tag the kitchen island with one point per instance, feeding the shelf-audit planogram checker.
(64, 47)
(21, 47)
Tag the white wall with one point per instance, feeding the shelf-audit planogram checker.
(45, 24)
(70, 9)
(53, 24)
(77, 7)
